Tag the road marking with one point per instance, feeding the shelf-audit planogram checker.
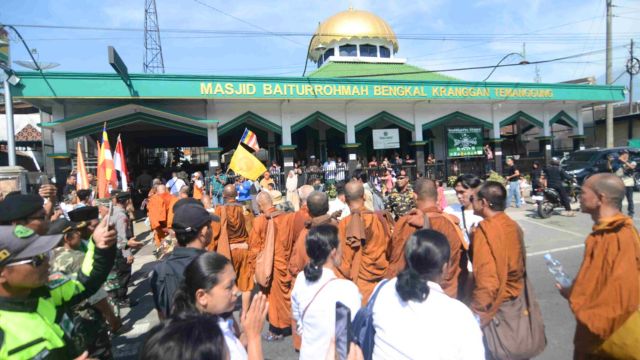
(565, 248)
(554, 228)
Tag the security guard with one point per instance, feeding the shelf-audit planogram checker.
(34, 320)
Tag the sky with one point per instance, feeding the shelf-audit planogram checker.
(450, 34)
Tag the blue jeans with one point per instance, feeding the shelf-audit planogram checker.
(514, 189)
(217, 199)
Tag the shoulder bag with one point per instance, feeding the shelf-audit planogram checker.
(363, 330)
(264, 260)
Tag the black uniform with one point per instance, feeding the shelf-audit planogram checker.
(556, 177)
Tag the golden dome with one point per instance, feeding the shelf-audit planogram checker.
(351, 24)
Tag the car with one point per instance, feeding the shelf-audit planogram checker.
(584, 163)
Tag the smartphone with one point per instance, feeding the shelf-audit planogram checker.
(43, 180)
(343, 330)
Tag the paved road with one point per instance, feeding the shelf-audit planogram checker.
(562, 236)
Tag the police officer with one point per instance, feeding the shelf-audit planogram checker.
(556, 176)
(35, 323)
(401, 199)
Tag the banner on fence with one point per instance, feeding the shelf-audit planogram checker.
(464, 141)
(386, 139)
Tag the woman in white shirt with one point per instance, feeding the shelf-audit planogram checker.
(209, 287)
(316, 291)
(292, 190)
(414, 319)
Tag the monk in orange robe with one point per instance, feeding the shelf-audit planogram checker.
(364, 237)
(426, 205)
(157, 212)
(302, 215)
(606, 290)
(171, 200)
(497, 251)
(318, 204)
(278, 290)
(230, 238)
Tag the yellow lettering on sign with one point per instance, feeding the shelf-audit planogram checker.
(206, 88)
(267, 89)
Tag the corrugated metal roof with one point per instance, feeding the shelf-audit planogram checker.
(381, 71)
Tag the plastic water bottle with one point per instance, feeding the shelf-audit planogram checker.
(555, 268)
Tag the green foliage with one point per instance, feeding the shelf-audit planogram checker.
(331, 191)
(451, 180)
(494, 176)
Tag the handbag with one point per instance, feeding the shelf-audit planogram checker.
(517, 329)
(264, 259)
(624, 343)
(363, 331)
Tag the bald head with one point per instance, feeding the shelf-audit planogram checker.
(426, 189)
(264, 200)
(183, 192)
(304, 192)
(609, 186)
(354, 191)
(229, 191)
(161, 189)
(318, 203)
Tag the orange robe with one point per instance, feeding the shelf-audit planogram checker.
(237, 237)
(606, 290)
(414, 221)
(497, 264)
(299, 219)
(279, 291)
(364, 248)
(157, 212)
(170, 213)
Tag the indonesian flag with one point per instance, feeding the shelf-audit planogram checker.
(121, 165)
(82, 181)
(250, 139)
(106, 171)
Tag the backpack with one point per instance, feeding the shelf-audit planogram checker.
(362, 328)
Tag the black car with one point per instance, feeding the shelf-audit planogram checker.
(584, 163)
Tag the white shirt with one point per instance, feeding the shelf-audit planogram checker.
(336, 205)
(438, 328)
(174, 185)
(318, 326)
(236, 350)
(470, 220)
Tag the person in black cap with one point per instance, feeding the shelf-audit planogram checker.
(33, 307)
(88, 215)
(25, 209)
(192, 227)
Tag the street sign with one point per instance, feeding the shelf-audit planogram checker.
(386, 139)
(464, 141)
(118, 65)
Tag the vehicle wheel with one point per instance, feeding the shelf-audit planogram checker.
(545, 208)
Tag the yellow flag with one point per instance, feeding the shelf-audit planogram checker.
(246, 164)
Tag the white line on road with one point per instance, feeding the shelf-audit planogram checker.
(554, 228)
(555, 250)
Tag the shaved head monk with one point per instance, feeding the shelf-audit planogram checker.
(302, 215)
(497, 253)
(230, 238)
(278, 289)
(426, 193)
(318, 205)
(171, 200)
(605, 293)
(364, 236)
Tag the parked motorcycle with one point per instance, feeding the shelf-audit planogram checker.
(548, 199)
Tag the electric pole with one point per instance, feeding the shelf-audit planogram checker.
(609, 76)
(153, 60)
(633, 68)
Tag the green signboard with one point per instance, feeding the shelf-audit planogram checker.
(464, 141)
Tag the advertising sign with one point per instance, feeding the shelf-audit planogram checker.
(464, 141)
(386, 139)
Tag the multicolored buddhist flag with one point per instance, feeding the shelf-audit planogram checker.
(250, 139)
(106, 170)
(120, 164)
(246, 164)
(82, 181)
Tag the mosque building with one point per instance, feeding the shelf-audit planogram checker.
(361, 100)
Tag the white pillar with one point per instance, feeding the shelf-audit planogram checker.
(59, 141)
(285, 124)
(580, 129)
(351, 129)
(546, 127)
(417, 126)
(212, 136)
(495, 122)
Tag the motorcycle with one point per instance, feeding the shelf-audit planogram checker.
(548, 199)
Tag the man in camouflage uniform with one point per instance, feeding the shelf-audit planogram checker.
(401, 199)
(91, 330)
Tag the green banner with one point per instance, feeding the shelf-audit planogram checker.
(464, 141)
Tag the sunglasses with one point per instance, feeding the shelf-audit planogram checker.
(35, 261)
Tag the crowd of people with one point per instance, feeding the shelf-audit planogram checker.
(235, 253)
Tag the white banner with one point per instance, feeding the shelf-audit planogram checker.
(386, 139)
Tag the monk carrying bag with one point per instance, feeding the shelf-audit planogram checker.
(264, 260)
(362, 328)
(517, 330)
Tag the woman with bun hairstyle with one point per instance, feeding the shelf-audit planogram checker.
(316, 291)
(414, 318)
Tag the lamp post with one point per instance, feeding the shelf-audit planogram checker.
(522, 62)
(8, 78)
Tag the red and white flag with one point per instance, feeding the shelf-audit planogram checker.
(120, 164)
(106, 171)
(82, 181)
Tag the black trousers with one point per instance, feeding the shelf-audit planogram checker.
(564, 197)
(123, 271)
(628, 191)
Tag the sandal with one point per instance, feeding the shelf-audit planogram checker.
(270, 337)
